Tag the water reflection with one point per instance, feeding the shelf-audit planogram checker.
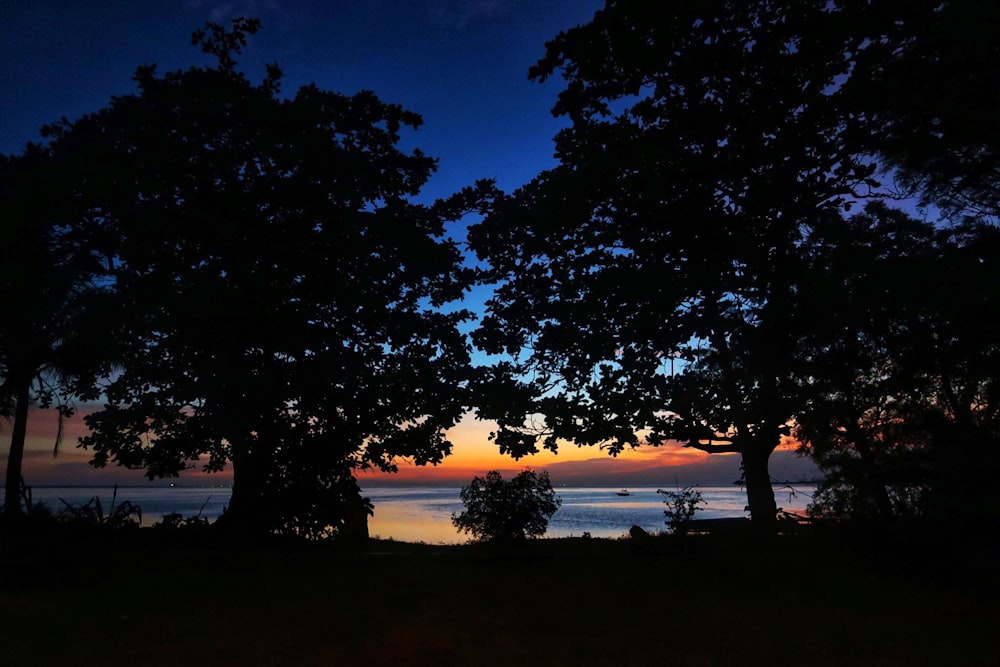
(424, 514)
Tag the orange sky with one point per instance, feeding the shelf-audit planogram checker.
(473, 455)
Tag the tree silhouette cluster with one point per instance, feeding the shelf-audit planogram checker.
(718, 258)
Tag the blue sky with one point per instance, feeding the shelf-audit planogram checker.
(461, 64)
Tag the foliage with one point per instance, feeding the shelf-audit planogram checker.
(648, 281)
(504, 510)
(279, 292)
(933, 105)
(652, 282)
(328, 507)
(91, 514)
(903, 409)
(177, 520)
(50, 295)
(681, 507)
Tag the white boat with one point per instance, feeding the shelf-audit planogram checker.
(624, 492)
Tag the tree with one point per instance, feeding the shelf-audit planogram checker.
(902, 381)
(857, 375)
(50, 294)
(902, 410)
(505, 510)
(648, 282)
(706, 141)
(279, 291)
(933, 105)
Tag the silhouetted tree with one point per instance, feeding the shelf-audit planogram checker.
(903, 409)
(50, 296)
(280, 291)
(648, 281)
(504, 510)
(933, 105)
(706, 142)
(857, 383)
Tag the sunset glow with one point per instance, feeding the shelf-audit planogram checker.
(473, 454)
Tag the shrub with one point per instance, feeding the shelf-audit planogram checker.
(681, 507)
(91, 514)
(507, 510)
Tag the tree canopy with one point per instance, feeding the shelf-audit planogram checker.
(900, 375)
(650, 283)
(279, 292)
(933, 106)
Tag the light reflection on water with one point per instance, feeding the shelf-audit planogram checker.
(423, 514)
(413, 514)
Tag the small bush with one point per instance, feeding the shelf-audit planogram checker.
(176, 520)
(681, 507)
(500, 510)
(91, 514)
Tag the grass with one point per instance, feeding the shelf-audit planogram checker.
(144, 599)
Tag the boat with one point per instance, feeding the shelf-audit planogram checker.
(624, 492)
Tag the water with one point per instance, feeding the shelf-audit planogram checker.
(423, 514)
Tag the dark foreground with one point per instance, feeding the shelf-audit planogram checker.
(148, 599)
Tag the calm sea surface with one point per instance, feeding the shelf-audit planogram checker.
(423, 514)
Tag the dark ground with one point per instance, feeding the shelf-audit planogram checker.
(153, 598)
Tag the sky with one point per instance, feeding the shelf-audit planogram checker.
(461, 64)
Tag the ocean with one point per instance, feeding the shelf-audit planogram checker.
(423, 514)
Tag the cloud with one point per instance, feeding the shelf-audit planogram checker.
(72, 468)
(41, 469)
(662, 466)
(706, 469)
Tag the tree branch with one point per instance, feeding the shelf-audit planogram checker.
(711, 448)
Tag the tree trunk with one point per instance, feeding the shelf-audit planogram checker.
(12, 495)
(247, 511)
(760, 494)
(872, 484)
